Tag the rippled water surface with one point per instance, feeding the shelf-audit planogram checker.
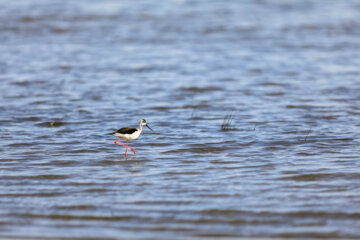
(287, 72)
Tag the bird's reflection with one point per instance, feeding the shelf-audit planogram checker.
(129, 166)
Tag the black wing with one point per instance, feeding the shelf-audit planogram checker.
(126, 130)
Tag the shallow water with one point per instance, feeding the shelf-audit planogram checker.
(72, 71)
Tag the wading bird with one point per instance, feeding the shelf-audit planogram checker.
(129, 134)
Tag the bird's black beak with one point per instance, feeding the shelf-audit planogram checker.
(149, 127)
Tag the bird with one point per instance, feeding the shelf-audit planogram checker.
(129, 134)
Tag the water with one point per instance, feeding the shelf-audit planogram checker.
(72, 71)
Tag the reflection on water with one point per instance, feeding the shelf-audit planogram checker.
(283, 75)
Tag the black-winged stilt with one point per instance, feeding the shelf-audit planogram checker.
(129, 134)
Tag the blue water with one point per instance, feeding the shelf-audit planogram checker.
(287, 165)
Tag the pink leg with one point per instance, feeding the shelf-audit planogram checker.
(132, 149)
(116, 142)
(126, 147)
(121, 144)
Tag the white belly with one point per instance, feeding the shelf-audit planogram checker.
(132, 136)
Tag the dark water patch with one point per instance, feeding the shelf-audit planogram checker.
(83, 111)
(183, 173)
(180, 229)
(29, 19)
(96, 190)
(196, 106)
(140, 69)
(227, 79)
(21, 144)
(308, 153)
(119, 158)
(161, 202)
(187, 106)
(41, 237)
(222, 162)
(53, 124)
(43, 137)
(188, 161)
(94, 17)
(303, 106)
(60, 29)
(215, 29)
(275, 94)
(109, 162)
(322, 214)
(40, 102)
(27, 83)
(28, 119)
(156, 144)
(247, 28)
(36, 177)
(311, 235)
(212, 234)
(309, 177)
(69, 217)
(340, 139)
(204, 149)
(65, 67)
(282, 144)
(39, 194)
(222, 212)
(78, 184)
(82, 151)
(6, 120)
(160, 108)
(8, 161)
(223, 142)
(243, 214)
(325, 117)
(76, 207)
(290, 73)
(63, 163)
(201, 89)
(274, 84)
(292, 132)
(322, 177)
(213, 195)
(256, 70)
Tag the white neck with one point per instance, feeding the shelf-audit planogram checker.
(140, 127)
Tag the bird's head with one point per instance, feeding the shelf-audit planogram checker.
(144, 123)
